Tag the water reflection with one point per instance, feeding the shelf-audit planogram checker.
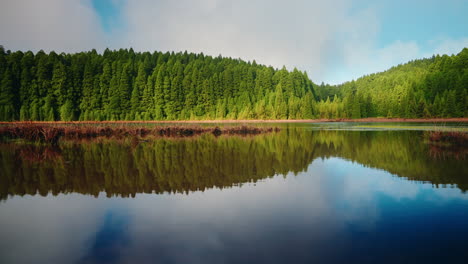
(336, 212)
(127, 168)
(300, 196)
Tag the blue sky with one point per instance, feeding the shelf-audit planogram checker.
(110, 14)
(423, 21)
(334, 40)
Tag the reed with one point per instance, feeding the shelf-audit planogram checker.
(453, 137)
(52, 133)
(445, 145)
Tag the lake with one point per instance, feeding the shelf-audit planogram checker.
(311, 193)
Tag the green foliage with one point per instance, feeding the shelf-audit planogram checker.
(124, 85)
(434, 87)
(66, 111)
(6, 97)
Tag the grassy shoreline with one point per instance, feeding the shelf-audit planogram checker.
(368, 120)
(52, 134)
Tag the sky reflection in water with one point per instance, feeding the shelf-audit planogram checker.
(335, 211)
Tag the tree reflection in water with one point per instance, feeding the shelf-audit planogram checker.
(125, 168)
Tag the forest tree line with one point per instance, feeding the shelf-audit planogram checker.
(127, 85)
(433, 87)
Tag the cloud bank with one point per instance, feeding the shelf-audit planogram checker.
(334, 41)
(60, 25)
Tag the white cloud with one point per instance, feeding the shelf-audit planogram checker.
(322, 37)
(292, 33)
(448, 46)
(60, 25)
(366, 58)
(334, 41)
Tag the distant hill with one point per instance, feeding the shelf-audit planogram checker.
(128, 85)
(433, 87)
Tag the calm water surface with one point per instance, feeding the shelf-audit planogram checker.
(310, 193)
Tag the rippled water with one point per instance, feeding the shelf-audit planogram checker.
(310, 193)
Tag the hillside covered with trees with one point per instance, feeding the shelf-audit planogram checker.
(433, 87)
(125, 85)
(128, 85)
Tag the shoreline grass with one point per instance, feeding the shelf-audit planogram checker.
(228, 121)
(48, 133)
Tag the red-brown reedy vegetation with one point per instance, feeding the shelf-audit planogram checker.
(49, 133)
(458, 138)
(448, 144)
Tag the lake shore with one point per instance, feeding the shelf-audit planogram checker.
(47, 133)
(365, 120)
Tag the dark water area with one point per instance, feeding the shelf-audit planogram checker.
(309, 193)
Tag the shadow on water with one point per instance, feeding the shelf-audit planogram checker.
(125, 168)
